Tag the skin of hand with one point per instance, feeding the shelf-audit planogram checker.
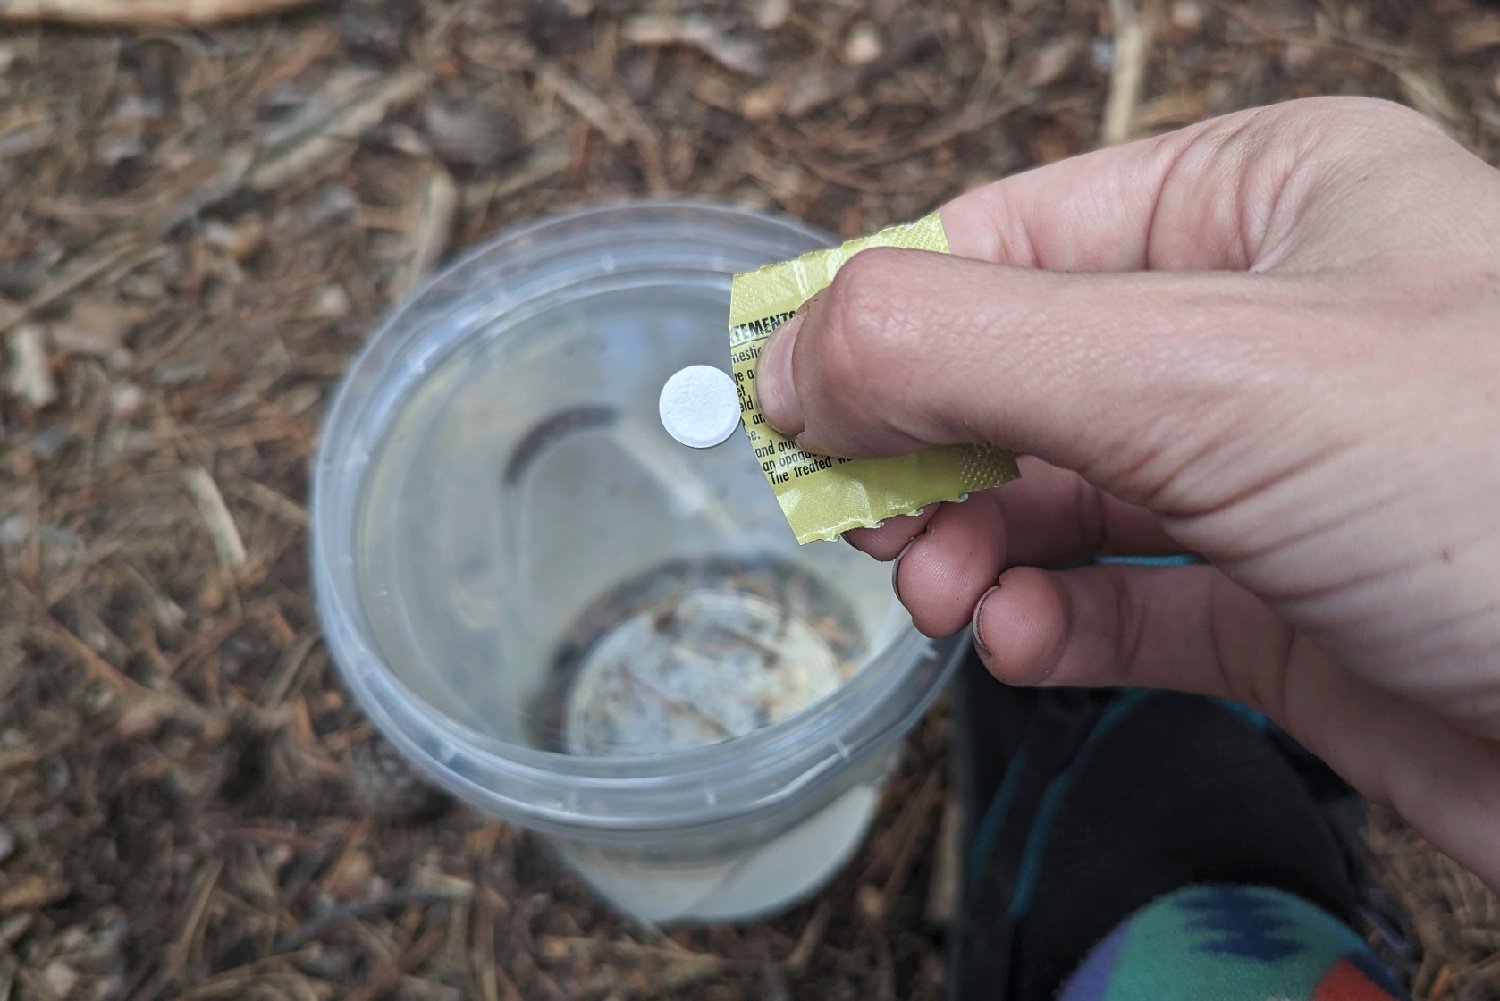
(1272, 339)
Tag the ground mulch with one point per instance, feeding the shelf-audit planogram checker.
(200, 221)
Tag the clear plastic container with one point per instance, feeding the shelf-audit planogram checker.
(575, 624)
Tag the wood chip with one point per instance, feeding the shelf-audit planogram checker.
(1426, 92)
(470, 132)
(1477, 34)
(429, 222)
(328, 129)
(121, 252)
(589, 105)
(1053, 60)
(28, 377)
(30, 893)
(216, 517)
(698, 32)
(96, 326)
(772, 14)
(944, 891)
(863, 46)
(273, 502)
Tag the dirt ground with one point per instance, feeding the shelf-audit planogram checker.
(199, 225)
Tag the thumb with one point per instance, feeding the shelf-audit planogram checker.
(1123, 378)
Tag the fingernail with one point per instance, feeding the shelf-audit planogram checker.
(896, 569)
(773, 379)
(984, 650)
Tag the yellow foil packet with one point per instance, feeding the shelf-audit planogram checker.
(821, 496)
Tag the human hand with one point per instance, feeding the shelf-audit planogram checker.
(1272, 339)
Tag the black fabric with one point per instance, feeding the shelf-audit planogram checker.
(1179, 790)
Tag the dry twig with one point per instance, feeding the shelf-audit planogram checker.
(142, 12)
(430, 220)
(309, 931)
(1133, 22)
(494, 982)
(221, 528)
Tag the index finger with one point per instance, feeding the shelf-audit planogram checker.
(1203, 198)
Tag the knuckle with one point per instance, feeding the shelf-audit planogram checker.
(1380, 111)
(859, 333)
(863, 286)
(869, 272)
(864, 306)
(1362, 119)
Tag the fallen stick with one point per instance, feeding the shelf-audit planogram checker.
(141, 12)
(221, 528)
(1133, 25)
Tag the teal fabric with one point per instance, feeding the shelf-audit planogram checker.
(1036, 840)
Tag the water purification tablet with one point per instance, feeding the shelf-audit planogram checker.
(700, 406)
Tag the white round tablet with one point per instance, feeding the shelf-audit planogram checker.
(700, 406)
